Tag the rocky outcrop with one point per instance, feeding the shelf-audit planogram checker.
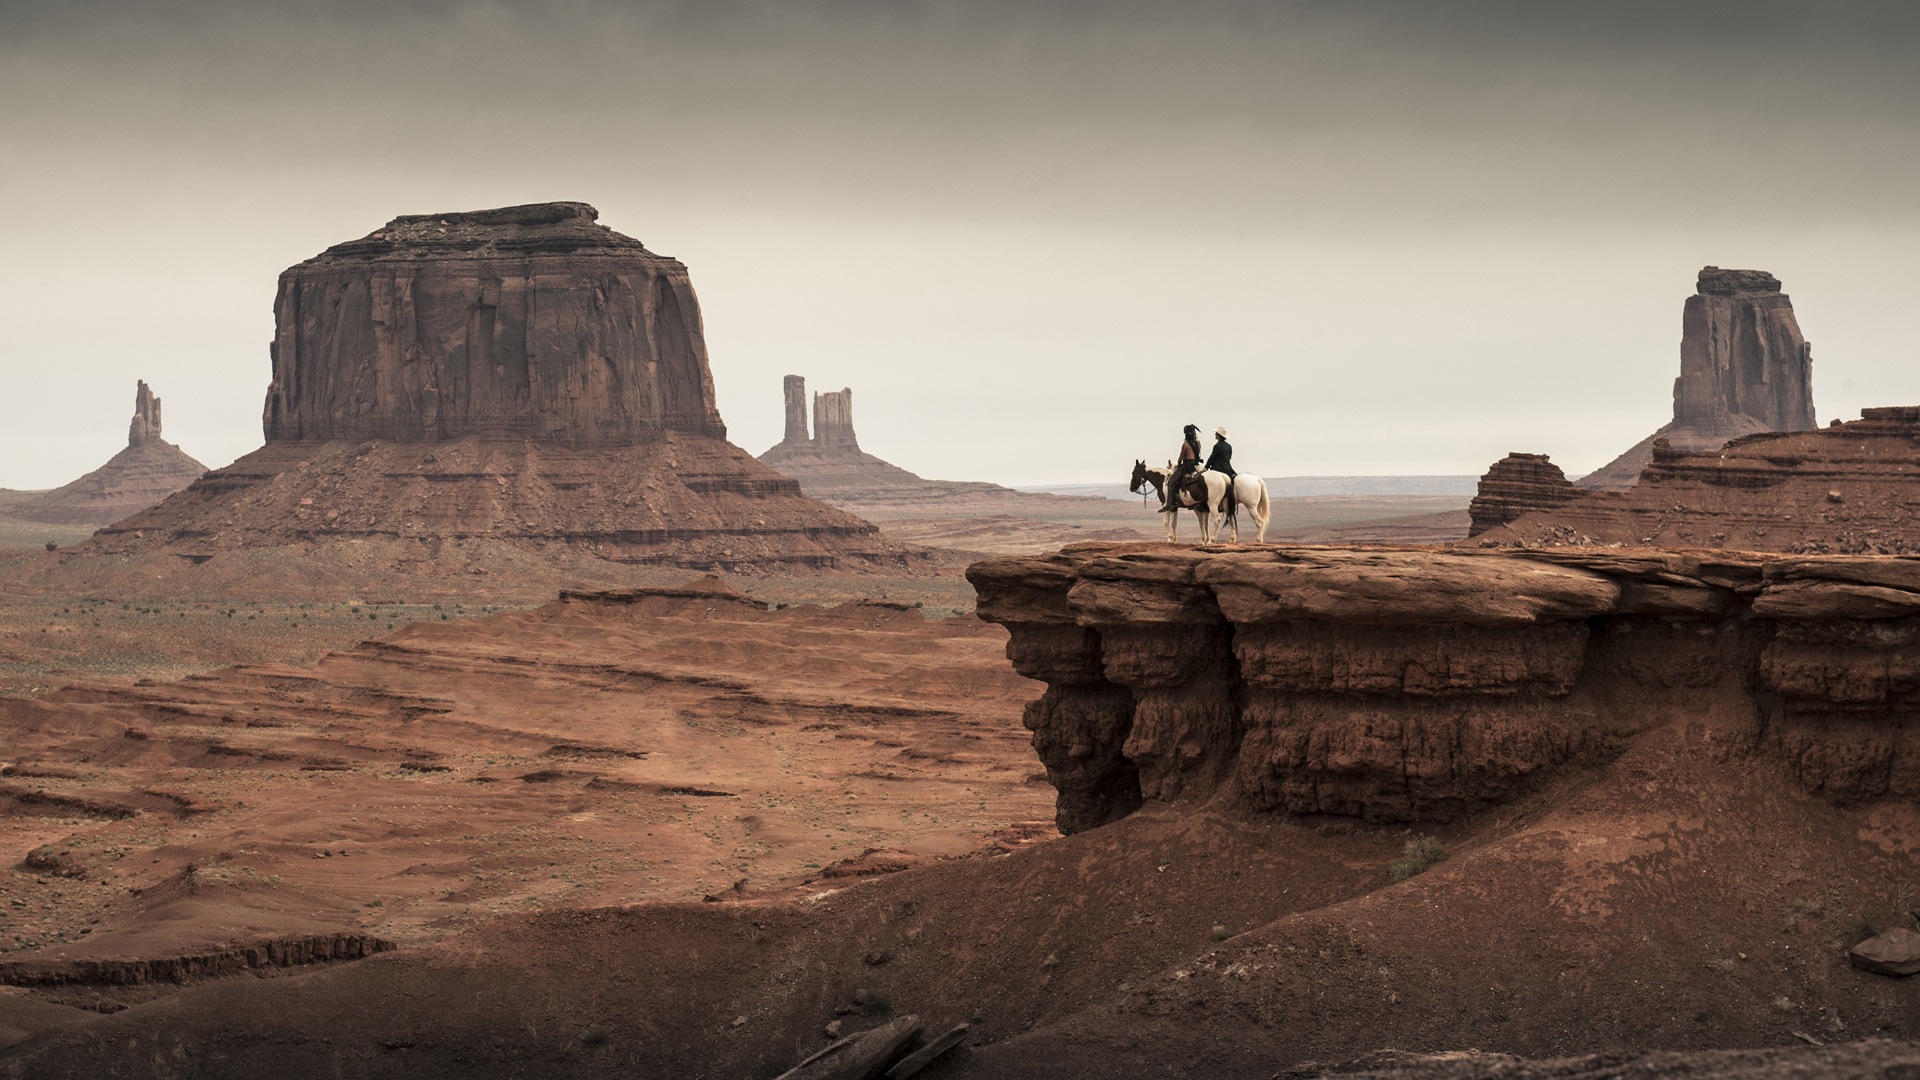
(147, 471)
(1744, 369)
(145, 425)
(522, 380)
(1514, 485)
(526, 321)
(1415, 685)
(1848, 488)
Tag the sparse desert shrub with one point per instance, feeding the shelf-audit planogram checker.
(597, 1037)
(1859, 930)
(1420, 853)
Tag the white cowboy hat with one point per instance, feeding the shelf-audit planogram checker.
(1220, 432)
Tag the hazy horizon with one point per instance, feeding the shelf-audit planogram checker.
(1370, 237)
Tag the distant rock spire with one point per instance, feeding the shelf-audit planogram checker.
(833, 420)
(796, 388)
(145, 427)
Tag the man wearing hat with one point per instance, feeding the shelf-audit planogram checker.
(1221, 460)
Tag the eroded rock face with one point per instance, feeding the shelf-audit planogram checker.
(1417, 685)
(147, 471)
(1850, 488)
(1514, 485)
(526, 321)
(1744, 369)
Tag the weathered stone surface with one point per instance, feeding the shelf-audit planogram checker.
(1514, 485)
(860, 1056)
(1402, 685)
(1744, 369)
(1851, 488)
(1893, 952)
(525, 321)
(147, 471)
(913, 1063)
(1382, 586)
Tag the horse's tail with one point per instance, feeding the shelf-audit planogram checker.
(1265, 509)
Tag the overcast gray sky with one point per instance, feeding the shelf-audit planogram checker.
(1035, 238)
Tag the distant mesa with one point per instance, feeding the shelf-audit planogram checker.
(1514, 485)
(147, 471)
(522, 377)
(1744, 369)
(1742, 464)
(1847, 489)
(830, 465)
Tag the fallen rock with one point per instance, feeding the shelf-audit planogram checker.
(923, 1057)
(860, 1056)
(1894, 952)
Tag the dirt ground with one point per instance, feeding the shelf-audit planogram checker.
(587, 752)
(1681, 899)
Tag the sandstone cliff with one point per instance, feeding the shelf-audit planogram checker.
(529, 321)
(1744, 369)
(1850, 488)
(147, 471)
(1417, 685)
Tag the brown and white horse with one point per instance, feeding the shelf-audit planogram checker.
(1248, 491)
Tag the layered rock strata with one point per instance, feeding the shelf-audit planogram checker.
(147, 471)
(524, 378)
(1850, 488)
(1514, 485)
(531, 321)
(1744, 369)
(1415, 685)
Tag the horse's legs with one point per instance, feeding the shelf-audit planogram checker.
(1173, 525)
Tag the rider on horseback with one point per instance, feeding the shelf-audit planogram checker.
(1221, 460)
(1189, 461)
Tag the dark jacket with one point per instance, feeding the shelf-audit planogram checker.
(1221, 460)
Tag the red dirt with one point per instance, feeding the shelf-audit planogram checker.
(600, 749)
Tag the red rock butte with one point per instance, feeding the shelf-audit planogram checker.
(531, 321)
(526, 377)
(1744, 369)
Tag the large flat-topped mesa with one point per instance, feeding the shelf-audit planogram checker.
(526, 321)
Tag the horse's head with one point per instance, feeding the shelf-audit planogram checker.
(1139, 476)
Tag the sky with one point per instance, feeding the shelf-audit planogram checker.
(1368, 236)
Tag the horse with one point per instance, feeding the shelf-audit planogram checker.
(1247, 491)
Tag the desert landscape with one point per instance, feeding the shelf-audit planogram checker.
(494, 707)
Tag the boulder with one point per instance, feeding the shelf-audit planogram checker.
(1894, 952)
(860, 1056)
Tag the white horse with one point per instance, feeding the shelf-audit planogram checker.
(1248, 491)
